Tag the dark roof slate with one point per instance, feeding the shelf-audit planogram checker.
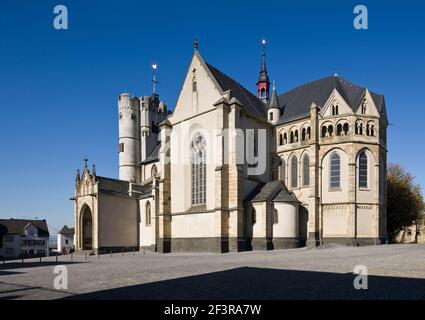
(154, 155)
(296, 102)
(17, 226)
(110, 185)
(65, 231)
(253, 105)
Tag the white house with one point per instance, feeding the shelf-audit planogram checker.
(19, 237)
(65, 240)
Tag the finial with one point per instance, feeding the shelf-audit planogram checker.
(93, 171)
(274, 85)
(154, 82)
(263, 45)
(85, 162)
(195, 44)
(77, 176)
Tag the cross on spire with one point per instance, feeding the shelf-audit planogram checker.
(154, 82)
(85, 159)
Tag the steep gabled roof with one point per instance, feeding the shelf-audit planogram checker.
(18, 226)
(252, 104)
(65, 231)
(296, 102)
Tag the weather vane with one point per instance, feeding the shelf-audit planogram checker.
(154, 82)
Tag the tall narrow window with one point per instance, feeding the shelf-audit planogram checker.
(148, 213)
(154, 171)
(363, 170)
(199, 173)
(294, 172)
(282, 169)
(306, 170)
(335, 170)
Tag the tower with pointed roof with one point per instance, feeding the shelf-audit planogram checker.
(273, 111)
(263, 83)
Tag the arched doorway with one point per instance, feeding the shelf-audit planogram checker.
(87, 228)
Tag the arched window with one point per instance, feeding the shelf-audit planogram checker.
(199, 173)
(364, 105)
(303, 132)
(345, 128)
(324, 131)
(282, 169)
(296, 136)
(291, 137)
(154, 171)
(306, 170)
(285, 138)
(308, 133)
(330, 130)
(148, 214)
(339, 129)
(335, 170)
(263, 93)
(281, 139)
(363, 170)
(294, 172)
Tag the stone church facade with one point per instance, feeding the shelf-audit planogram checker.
(228, 170)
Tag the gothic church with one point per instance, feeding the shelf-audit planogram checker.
(184, 186)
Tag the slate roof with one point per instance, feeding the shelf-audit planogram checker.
(110, 185)
(154, 155)
(274, 101)
(272, 191)
(121, 187)
(285, 196)
(65, 231)
(252, 104)
(17, 226)
(296, 102)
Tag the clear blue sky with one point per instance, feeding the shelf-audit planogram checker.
(59, 89)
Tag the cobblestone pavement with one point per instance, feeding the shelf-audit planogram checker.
(395, 272)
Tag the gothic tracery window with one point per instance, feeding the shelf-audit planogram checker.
(199, 167)
(363, 170)
(148, 214)
(294, 172)
(335, 170)
(306, 170)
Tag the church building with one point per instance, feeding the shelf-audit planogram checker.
(229, 170)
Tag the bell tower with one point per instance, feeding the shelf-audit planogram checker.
(263, 84)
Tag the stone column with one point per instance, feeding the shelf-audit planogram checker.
(314, 224)
(221, 177)
(164, 205)
(235, 183)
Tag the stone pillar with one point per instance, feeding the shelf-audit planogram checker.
(235, 183)
(164, 205)
(314, 222)
(222, 176)
(352, 199)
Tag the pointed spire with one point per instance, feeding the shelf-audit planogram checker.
(263, 72)
(274, 102)
(77, 177)
(85, 170)
(93, 171)
(195, 44)
(263, 83)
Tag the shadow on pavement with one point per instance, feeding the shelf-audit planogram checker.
(260, 283)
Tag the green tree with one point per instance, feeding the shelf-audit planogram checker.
(404, 200)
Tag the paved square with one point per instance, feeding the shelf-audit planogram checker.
(395, 272)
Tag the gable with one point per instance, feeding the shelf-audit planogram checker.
(193, 101)
(367, 105)
(335, 101)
